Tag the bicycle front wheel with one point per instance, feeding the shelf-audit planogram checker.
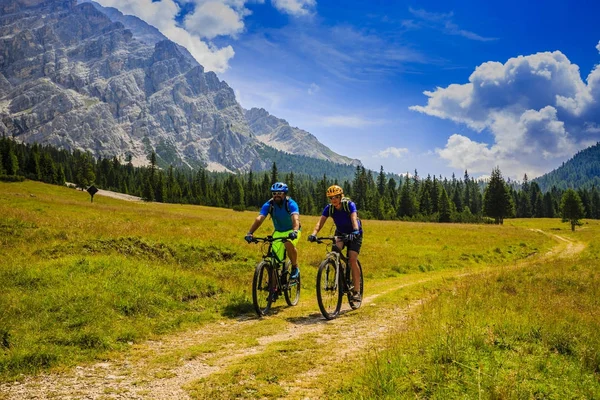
(354, 304)
(291, 287)
(329, 294)
(262, 286)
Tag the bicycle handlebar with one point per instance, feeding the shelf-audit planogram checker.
(343, 237)
(269, 239)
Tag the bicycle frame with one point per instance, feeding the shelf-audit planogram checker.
(341, 262)
(275, 267)
(330, 291)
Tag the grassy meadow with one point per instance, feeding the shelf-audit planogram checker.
(509, 333)
(80, 281)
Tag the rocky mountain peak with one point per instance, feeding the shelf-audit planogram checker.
(73, 77)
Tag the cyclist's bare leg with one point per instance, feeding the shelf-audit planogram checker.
(292, 252)
(353, 257)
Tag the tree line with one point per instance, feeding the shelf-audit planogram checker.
(377, 195)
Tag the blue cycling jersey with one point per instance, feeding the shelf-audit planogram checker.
(282, 220)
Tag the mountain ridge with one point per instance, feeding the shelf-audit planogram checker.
(72, 77)
(580, 171)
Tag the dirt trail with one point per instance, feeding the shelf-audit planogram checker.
(140, 374)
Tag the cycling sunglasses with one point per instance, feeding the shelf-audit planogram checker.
(277, 193)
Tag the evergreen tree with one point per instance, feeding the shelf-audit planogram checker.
(274, 175)
(497, 202)
(435, 195)
(595, 203)
(586, 201)
(425, 200)
(237, 192)
(147, 189)
(47, 169)
(407, 207)
(60, 177)
(571, 208)
(549, 211)
(32, 168)
(523, 205)
(11, 163)
(84, 170)
(393, 196)
(444, 207)
(160, 189)
(381, 182)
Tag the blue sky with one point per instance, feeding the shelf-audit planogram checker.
(437, 86)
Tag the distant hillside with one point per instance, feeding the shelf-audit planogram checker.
(583, 170)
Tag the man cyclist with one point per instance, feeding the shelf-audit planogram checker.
(345, 217)
(286, 222)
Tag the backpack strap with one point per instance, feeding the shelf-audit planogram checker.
(287, 206)
(345, 206)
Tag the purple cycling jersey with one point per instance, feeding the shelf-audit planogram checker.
(341, 218)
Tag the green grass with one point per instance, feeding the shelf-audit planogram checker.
(79, 280)
(526, 333)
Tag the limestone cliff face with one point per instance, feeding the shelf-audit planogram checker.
(278, 133)
(72, 77)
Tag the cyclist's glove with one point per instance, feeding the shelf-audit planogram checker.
(353, 235)
(249, 238)
(312, 238)
(293, 235)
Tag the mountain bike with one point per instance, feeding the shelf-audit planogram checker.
(334, 279)
(272, 278)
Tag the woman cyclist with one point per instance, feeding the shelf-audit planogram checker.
(345, 217)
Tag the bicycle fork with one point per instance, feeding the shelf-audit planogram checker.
(336, 281)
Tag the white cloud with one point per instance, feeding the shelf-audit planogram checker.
(213, 18)
(396, 152)
(295, 7)
(598, 46)
(537, 108)
(313, 89)
(161, 14)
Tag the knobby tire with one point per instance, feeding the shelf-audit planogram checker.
(329, 289)
(292, 286)
(262, 285)
(356, 304)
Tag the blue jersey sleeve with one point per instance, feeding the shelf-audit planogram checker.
(264, 211)
(293, 206)
(352, 207)
(326, 211)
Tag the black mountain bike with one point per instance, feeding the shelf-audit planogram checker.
(272, 278)
(334, 279)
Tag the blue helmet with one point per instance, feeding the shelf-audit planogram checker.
(279, 187)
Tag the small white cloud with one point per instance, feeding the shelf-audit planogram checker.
(213, 18)
(598, 46)
(295, 7)
(396, 152)
(313, 89)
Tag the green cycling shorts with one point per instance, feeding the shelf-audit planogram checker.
(279, 247)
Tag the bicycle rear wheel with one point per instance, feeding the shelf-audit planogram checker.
(354, 304)
(291, 287)
(262, 285)
(329, 294)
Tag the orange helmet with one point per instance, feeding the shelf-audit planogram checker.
(334, 190)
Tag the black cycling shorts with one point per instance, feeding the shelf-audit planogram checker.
(354, 245)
